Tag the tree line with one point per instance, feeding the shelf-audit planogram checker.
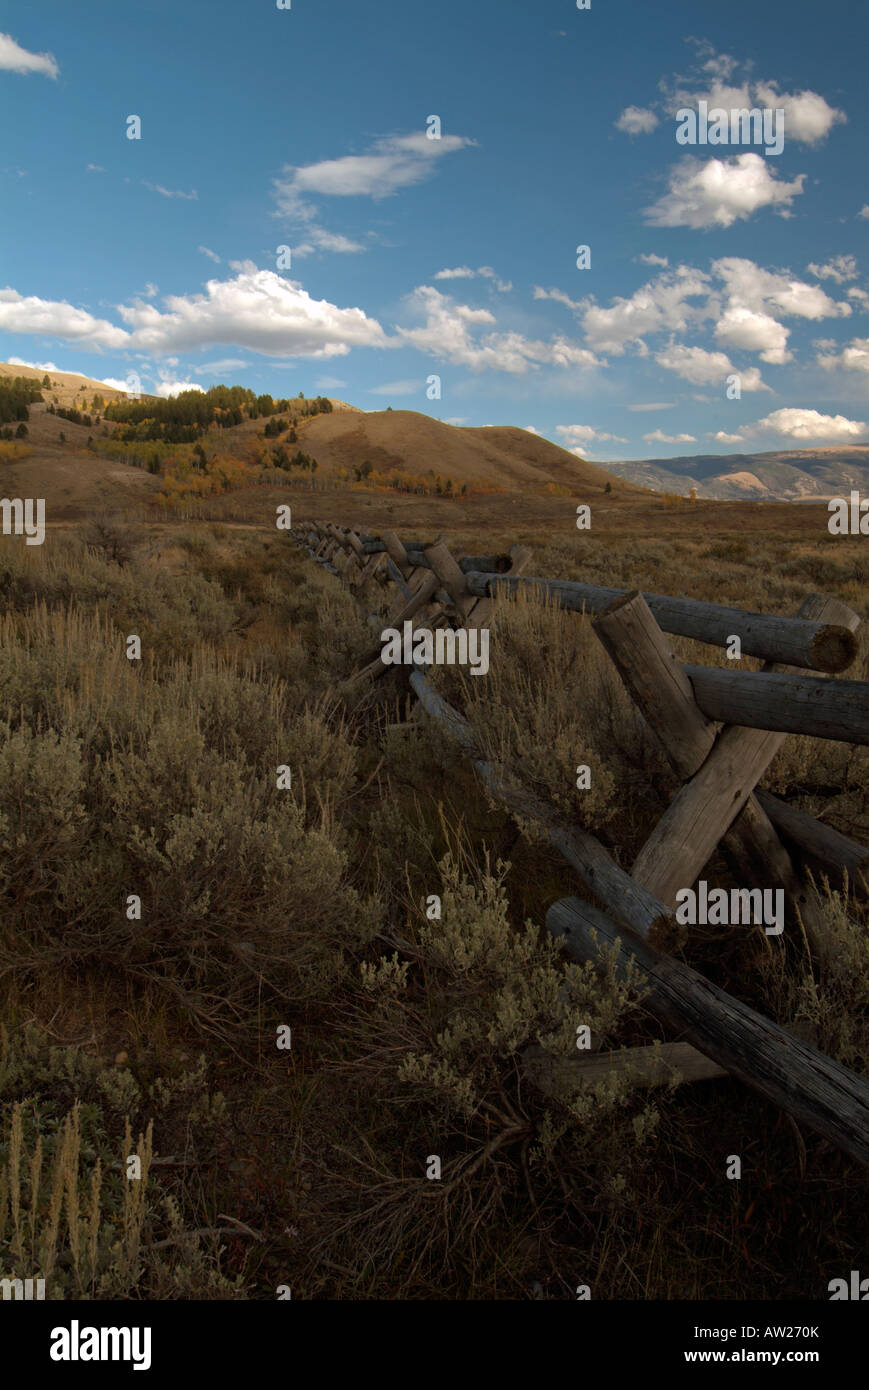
(17, 394)
(182, 419)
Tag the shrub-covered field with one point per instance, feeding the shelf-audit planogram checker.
(172, 902)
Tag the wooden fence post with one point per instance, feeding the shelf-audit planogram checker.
(821, 1093)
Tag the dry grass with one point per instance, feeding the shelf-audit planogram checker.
(264, 907)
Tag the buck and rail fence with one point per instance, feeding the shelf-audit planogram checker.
(720, 731)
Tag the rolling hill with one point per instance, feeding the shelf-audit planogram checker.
(72, 478)
(405, 440)
(70, 388)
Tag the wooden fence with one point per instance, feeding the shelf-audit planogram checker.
(720, 730)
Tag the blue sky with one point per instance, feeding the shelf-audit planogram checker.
(726, 303)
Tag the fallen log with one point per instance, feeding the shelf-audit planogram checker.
(822, 1094)
(829, 848)
(627, 899)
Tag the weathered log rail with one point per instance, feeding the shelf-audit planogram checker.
(720, 729)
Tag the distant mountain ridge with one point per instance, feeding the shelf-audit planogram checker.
(782, 475)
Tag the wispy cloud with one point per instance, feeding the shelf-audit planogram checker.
(168, 193)
(409, 387)
(14, 58)
(483, 272)
(392, 163)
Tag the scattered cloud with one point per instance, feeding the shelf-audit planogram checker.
(749, 284)
(719, 192)
(447, 332)
(653, 405)
(838, 268)
(808, 117)
(485, 272)
(318, 239)
(212, 255)
(854, 357)
(577, 435)
(637, 120)
(649, 258)
(14, 58)
(94, 169)
(560, 297)
(657, 437)
(660, 305)
(724, 438)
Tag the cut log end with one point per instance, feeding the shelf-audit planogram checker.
(833, 649)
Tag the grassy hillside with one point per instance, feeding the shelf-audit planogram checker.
(70, 388)
(405, 440)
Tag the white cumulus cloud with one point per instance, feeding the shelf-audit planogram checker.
(258, 310)
(795, 422)
(719, 192)
(704, 368)
(740, 327)
(809, 118)
(56, 319)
